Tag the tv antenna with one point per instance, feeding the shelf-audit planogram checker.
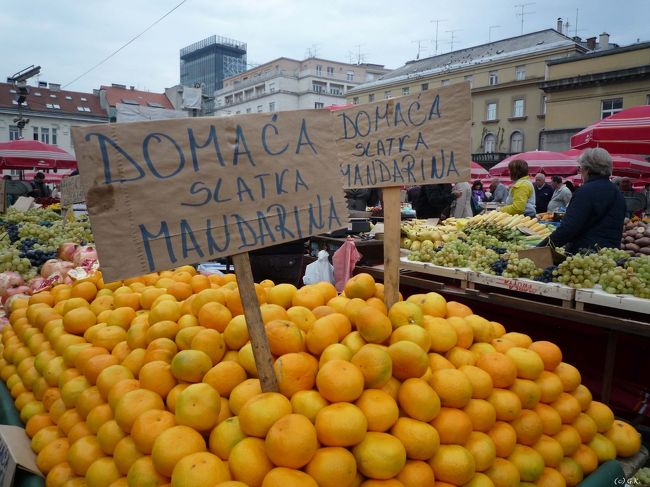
(419, 42)
(437, 22)
(312, 51)
(523, 12)
(490, 31)
(453, 37)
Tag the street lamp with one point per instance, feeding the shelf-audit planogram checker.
(19, 81)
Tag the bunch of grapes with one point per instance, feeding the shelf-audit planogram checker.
(641, 267)
(521, 268)
(481, 259)
(547, 274)
(10, 260)
(453, 254)
(584, 270)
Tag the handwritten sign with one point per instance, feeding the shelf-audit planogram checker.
(166, 193)
(3, 195)
(417, 139)
(72, 191)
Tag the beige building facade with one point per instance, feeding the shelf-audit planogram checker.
(581, 90)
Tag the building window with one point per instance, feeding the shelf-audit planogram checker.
(647, 99)
(45, 135)
(336, 89)
(520, 73)
(543, 108)
(387, 94)
(494, 78)
(470, 78)
(319, 87)
(610, 107)
(355, 100)
(489, 143)
(14, 132)
(350, 76)
(516, 142)
(35, 133)
(405, 90)
(319, 70)
(259, 108)
(272, 106)
(55, 139)
(444, 82)
(424, 86)
(319, 104)
(371, 97)
(491, 112)
(330, 71)
(518, 108)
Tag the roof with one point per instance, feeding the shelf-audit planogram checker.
(53, 101)
(115, 95)
(526, 44)
(596, 54)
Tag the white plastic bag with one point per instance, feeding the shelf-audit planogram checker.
(319, 271)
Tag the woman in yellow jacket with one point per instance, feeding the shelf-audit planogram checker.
(521, 196)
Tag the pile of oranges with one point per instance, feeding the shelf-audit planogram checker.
(152, 381)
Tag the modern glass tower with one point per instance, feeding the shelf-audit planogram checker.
(207, 62)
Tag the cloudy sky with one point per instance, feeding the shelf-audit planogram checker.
(68, 37)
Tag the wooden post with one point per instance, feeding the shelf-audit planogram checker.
(392, 222)
(261, 350)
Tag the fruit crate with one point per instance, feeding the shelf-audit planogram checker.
(553, 290)
(459, 275)
(599, 297)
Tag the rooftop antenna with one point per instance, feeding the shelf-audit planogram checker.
(490, 31)
(576, 24)
(522, 13)
(360, 57)
(312, 51)
(437, 22)
(453, 36)
(419, 43)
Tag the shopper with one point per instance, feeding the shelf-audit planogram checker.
(462, 207)
(433, 201)
(477, 192)
(360, 199)
(595, 217)
(499, 191)
(570, 186)
(39, 188)
(561, 195)
(521, 197)
(543, 193)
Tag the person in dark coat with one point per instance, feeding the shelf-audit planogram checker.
(595, 217)
(543, 193)
(360, 199)
(432, 200)
(40, 189)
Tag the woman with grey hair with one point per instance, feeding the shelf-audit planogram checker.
(594, 219)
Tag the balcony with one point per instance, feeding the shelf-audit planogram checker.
(255, 80)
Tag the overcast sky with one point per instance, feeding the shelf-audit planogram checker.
(67, 37)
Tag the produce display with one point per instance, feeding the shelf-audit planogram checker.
(636, 237)
(152, 381)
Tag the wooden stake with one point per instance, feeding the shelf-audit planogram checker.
(392, 222)
(259, 341)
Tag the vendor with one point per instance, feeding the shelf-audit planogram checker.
(561, 195)
(594, 219)
(434, 201)
(543, 193)
(521, 197)
(360, 199)
(40, 189)
(498, 190)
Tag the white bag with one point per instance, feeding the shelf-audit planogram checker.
(319, 271)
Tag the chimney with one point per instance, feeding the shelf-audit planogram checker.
(576, 39)
(132, 88)
(55, 87)
(559, 25)
(117, 85)
(603, 41)
(42, 84)
(591, 43)
(95, 92)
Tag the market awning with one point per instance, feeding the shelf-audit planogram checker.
(633, 166)
(547, 162)
(28, 154)
(478, 172)
(625, 132)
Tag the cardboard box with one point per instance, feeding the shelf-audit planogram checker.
(15, 453)
(542, 256)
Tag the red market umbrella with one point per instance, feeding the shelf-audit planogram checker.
(28, 154)
(630, 166)
(625, 132)
(547, 162)
(50, 177)
(478, 171)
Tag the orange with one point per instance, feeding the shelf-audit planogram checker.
(453, 425)
(529, 463)
(225, 376)
(281, 294)
(528, 362)
(260, 412)
(246, 359)
(341, 424)
(569, 438)
(551, 420)
(571, 471)
(125, 454)
(109, 435)
(583, 395)
(338, 380)
(53, 454)
(83, 453)
(519, 339)
(214, 315)
(134, 403)
(453, 464)
(44, 437)
(480, 348)
(143, 472)
(102, 472)
(420, 439)
(550, 387)
(332, 467)
(528, 391)
(567, 406)
(432, 304)
(416, 473)
(282, 476)
(586, 458)
(308, 403)
(375, 364)
(59, 474)
(360, 286)
(308, 296)
(79, 430)
(482, 414)
(156, 376)
(601, 414)
(110, 376)
(301, 316)
(461, 356)
(405, 313)
(190, 365)
(625, 438)
(380, 409)
(379, 455)
(172, 444)
(71, 390)
(37, 423)
(549, 352)
(482, 449)
(162, 329)
(419, 400)
(504, 437)
(586, 427)
(291, 441)
(452, 386)
(482, 328)
(122, 317)
(236, 333)
(501, 368)
(225, 436)
(273, 312)
(352, 308)
(248, 461)
(78, 320)
(550, 478)
(602, 446)
(550, 450)
(201, 469)
(409, 360)
(284, 336)
(339, 321)
(295, 372)
(442, 333)
(211, 342)
(338, 303)
(569, 375)
(503, 473)
(242, 393)
(335, 351)
(480, 380)
(506, 404)
(320, 335)
(198, 406)
(457, 309)
(528, 426)
(327, 289)
(119, 389)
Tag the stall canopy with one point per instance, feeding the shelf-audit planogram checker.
(625, 132)
(547, 162)
(28, 154)
(633, 166)
(478, 171)
(50, 177)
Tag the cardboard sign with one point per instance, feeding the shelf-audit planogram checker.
(15, 453)
(3, 195)
(417, 139)
(72, 191)
(166, 193)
